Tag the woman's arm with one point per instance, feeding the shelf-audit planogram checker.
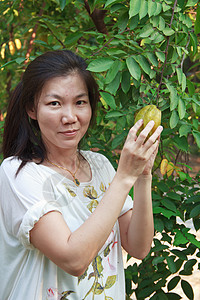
(137, 226)
(74, 251)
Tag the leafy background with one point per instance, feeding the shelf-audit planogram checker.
(140, 52)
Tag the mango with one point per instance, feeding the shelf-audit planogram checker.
(148, 113)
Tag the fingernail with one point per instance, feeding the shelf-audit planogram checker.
(160, 128)
(151, 122)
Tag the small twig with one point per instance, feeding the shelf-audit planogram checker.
(108, 42)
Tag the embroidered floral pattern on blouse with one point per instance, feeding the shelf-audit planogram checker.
(100, 284)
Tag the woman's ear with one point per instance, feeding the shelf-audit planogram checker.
(32, 113)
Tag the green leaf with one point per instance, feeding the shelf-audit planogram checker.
(62, 4)
(161, 23)
(184, 130)
(169, 204)
(125, 83)
(20, 60)
(113, 86)
(110, 2)
(152, 6)
(100, 64)
(160, 56)
(134, 8)
(168, 31)
(118, 139)
(112, 72)
(143, 9)
(122, 22)
(181, 108)
(114, 114)
(146, 31)
(194, 41)
(197, 22)
(73, 38)
(173, 97)
(195, 211)
(196, 135)
(158, 224)
(179, 253)
(179, 74)
(191, 87)
(109, 99)
(144, 64)
(152, 58)
(187, 289)
(179, 238)
(158, 9)
(133, 68)
(171, 264)
(167, 213)
(157, 260)
(173, 283)
(184, 82)
(173, 119)
(181, 143)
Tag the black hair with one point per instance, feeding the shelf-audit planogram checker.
(21, 136)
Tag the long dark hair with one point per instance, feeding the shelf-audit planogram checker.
(21, 134)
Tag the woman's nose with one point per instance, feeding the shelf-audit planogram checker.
(69, 115)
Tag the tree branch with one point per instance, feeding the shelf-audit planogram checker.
(97, 17)
(30, 46)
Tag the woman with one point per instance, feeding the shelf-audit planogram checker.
(65, 212)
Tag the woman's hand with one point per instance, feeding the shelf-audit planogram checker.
(138, 153)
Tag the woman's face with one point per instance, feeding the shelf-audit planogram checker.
(63, 112)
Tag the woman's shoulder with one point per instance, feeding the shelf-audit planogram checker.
(94, 156)
(10, 164)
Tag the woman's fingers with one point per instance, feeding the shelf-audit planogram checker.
(145, 132)
(155, 136)
(133, 131)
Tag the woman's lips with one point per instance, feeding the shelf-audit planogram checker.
(69, 132)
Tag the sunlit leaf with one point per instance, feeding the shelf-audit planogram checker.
(152, 6)
(134, 7)
(100, 64)
(133, 68)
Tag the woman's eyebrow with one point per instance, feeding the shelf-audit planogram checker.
(82, 95)
(53, 96)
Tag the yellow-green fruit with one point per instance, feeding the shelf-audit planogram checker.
(148, 113)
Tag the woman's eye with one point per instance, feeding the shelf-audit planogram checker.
(54, 103)
(80, 102)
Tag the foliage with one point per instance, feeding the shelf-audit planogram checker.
(141, 52)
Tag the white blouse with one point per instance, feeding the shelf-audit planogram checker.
(25, 272)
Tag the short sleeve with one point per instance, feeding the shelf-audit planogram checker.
(32, 216)
(23, 199)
